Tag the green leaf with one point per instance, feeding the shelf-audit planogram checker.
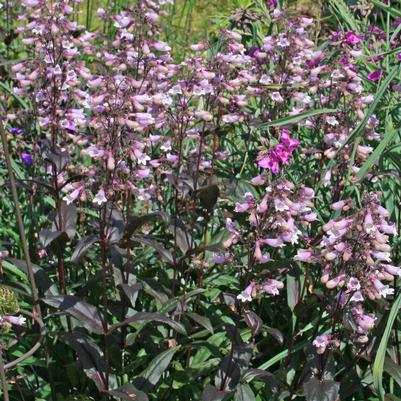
(378, 364)
(391, 397)
(380, 92)
(393, 370)
(152, 374)
(345, 14)
(388, 136)
(14, 268)
(19, 174)
(391, 10)
(14, 95)
(283, 354)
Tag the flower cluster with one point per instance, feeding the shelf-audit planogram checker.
(275, 220)
(355, 255)
(138, 130)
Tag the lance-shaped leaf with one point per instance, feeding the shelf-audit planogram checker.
(58, 159)
(41, 278)
(152, 374)
(361, 126)
(87, 315)
(389, 134)
(83, 247)
(182, 238)
(131, 291)
(208, 196)
(228, 374)
(244, 393)
(69, 218)
(115, 225)
(144, 316)
(276, 334)
(393, 370)
(378, 364)
(163, 252)
(89, 356)
(150, 287)
(129, 392)
(202, 320)
(252, 374)
(136, 222)
(321, 390)
(46, 237)
(253, 321)
(211, 393)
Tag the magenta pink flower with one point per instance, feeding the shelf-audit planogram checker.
(278, 155)
(351, 39)
(375, 75)
(288, 141)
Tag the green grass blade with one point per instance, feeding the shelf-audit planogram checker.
(283, 354)
(380, 92)
(344, 13)
(388, 136)
(391, 10)
(296, 118)
(378, 365)
(361, 126)
(14, 95)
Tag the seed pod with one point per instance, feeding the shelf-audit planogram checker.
(8, 301)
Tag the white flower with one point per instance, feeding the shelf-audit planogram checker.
(276, 97)
(332, 121)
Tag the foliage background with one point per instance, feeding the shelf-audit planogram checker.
(189, 22)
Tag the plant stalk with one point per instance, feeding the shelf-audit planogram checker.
(24, 242)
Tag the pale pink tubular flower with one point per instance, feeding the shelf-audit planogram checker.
(272, 286)
(16, 320)
(100, 197)
(304, 255)
(72, 196)
(248, 293)
(393, 270)
(382, 289)
(321, 343)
